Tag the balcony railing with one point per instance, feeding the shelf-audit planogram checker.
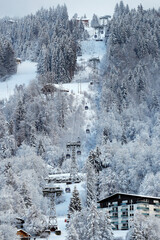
(124, 228)
(156, 209)
(124, 221)
(124, 216)
(124, 210)
(123, 204)
(114, 217)
(145, 214)
(143, 208)
(115, 223)
(114, 211)
(142, 201)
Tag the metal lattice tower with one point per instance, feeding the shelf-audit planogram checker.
(95, 61)
(52, 217)
(74, 168)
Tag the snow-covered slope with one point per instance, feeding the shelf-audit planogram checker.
(25, 73)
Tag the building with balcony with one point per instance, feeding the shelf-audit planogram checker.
(122, 208)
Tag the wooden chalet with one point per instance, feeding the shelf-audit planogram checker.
(85, 21)
(50, 89)
(23, 235)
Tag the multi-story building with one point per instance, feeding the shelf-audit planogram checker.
(122, 208)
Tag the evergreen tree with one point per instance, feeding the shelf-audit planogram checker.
(91, 185)
(72, 235)
(75, 203)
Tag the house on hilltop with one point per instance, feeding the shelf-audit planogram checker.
(122, 208)
(84, 20)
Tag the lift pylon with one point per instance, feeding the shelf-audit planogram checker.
(52, 217)
(73, 146)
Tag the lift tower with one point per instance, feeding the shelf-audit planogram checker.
(73, 146)
(52, 216)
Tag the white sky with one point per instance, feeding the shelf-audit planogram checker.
(20, 8)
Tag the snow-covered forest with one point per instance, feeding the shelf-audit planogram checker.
(113, 109)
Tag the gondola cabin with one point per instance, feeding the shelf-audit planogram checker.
(87, 131)
(18, 60)
(67, 190)
(78, 152)
(68, 156)
(86, 107)
(58, 232)
(91, 83)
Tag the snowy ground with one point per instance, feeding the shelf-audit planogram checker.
(25, 73)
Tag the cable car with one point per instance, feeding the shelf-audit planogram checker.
(87, 131)
(86, 107)
(67, 190)
(68, 156)
(78, 152)
(91, 83)
(58, 232)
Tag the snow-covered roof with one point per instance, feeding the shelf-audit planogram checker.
(82, 19)
(128, 194)
(23, 231)
(105, 17)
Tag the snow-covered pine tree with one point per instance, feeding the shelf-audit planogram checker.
(94, 21)
(93, 223)
(75, 203)
(105, 227)
(91, 185)
(72, 234)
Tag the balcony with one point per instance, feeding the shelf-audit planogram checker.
(157, 209)
(123, 204)
(124, 221)
(124, 216)
(145, 214)
(143, 208)
(124, 210)
(142, 201)
(115, 223)
(114, 211)
(157, 215)
(113, 217)
(124, 228)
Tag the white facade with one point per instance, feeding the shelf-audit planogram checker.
(122, 212)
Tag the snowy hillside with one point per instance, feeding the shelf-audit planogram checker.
(26, 72)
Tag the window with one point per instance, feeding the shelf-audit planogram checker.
(131, 207)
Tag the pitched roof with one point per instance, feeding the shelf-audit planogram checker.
(128, 194)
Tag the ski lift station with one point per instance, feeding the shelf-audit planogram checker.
(100, 29)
